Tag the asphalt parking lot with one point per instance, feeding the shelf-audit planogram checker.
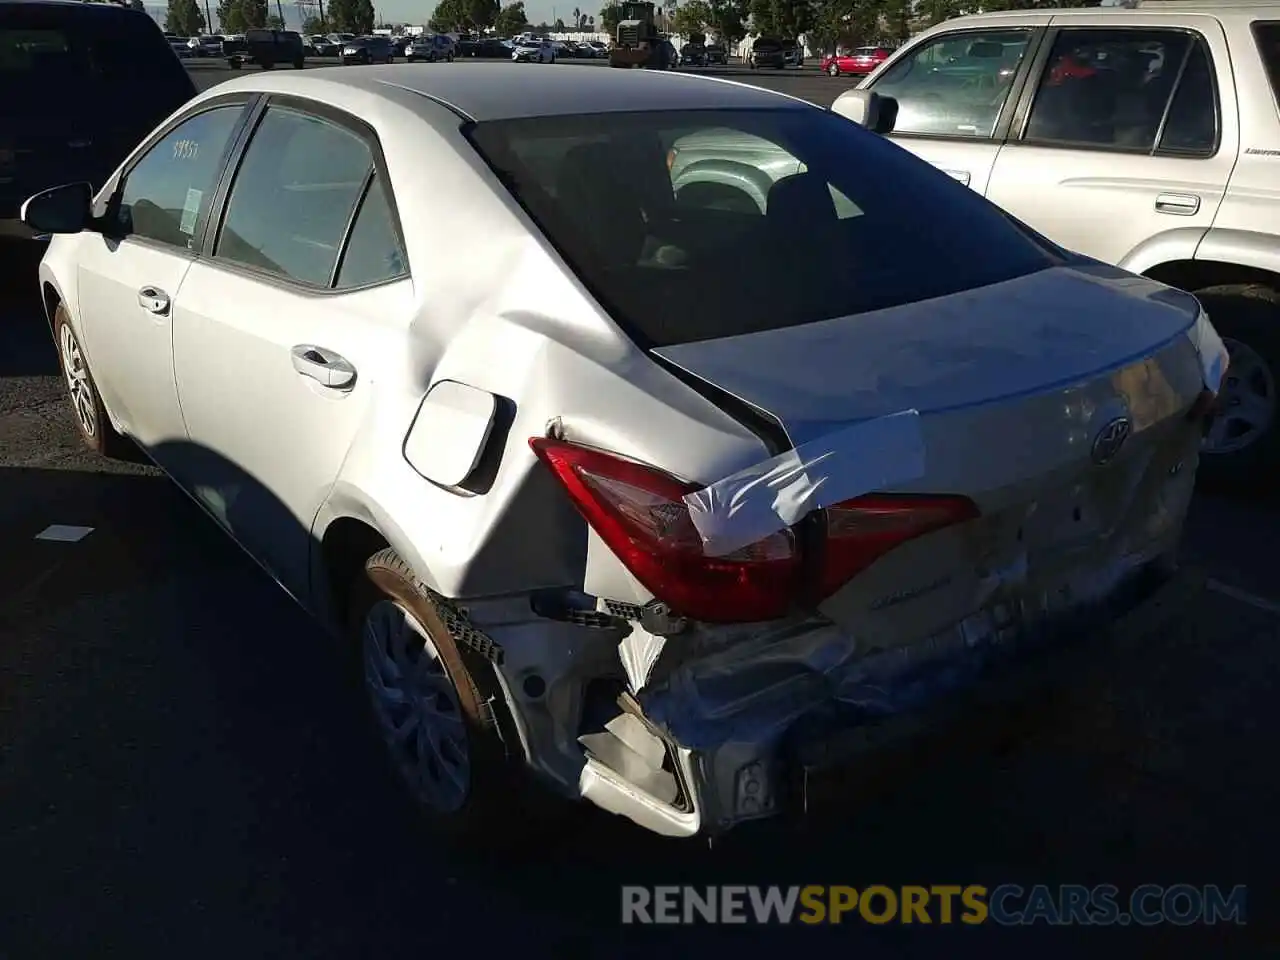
(182, 773)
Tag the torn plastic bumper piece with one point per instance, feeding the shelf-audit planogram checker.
(738, 731)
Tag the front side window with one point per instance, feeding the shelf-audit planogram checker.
(955, 85)
(1110, 89)
(293, 196)
(169, 189)
(705, 224)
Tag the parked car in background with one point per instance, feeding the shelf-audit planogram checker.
(367, 50)
(793, 55)
(767, 52)
(716, 54)
(1141, 137)
(489, 48)
(554, 541)
(323, 46)
(399, 45)
(431, 48)
(206, 46)
(339, 39)
(693, 55)
(80, 86)
(534, 51)
(270, 48)
(181, 46)
(856, 63)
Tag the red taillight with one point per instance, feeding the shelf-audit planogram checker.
(862, 530)
(639, 512)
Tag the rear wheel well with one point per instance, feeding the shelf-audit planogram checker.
(1195, 275)
(348, 543)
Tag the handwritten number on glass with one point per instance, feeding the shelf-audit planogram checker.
(186, 149)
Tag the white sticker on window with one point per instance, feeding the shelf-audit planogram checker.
(190, 210)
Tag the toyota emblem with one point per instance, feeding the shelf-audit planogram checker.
(1110, 439)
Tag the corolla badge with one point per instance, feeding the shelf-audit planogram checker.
(1110, 439)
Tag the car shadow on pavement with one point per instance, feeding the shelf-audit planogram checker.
(26, 347)
(185, 765)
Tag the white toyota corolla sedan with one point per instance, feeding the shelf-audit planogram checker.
(651, 475)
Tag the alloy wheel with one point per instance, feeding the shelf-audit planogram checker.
(1246, 401)
(416, 707)
(78, 384)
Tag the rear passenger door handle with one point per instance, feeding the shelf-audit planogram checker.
(1178, 204)
(323, 366)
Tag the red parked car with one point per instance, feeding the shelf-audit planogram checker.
(855, 63)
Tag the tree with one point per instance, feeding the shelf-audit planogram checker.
(692, 17)
(184, 18)
(314, 25)
(511, 19)
(610, 15)
(274, 22)
(462, 15)
(558, 26)
(237, 16)
(351, 16)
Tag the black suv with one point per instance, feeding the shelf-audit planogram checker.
(267, 48)
(81, 84)
(767, 52)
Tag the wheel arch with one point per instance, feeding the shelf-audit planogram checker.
(1193, 275)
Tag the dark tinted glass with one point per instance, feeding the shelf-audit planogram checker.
(85, 61)
(705, 224)
(1192, 125)
(1107, 88)
(1267, 36)
(293, 195)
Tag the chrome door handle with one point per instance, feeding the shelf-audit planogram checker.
(1178, 204)
(154, 300)
(323, 366)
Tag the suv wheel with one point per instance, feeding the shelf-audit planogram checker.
(833, 70)
(1241, 451)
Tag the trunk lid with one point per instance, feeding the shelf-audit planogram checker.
(1015, 384)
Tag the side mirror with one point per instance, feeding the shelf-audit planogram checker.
(64, 209)
(868, 109)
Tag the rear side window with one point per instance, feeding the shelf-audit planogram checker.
(705, 224)
(1267, 36)
(1123, 89)
(373, 251)
(293, 196)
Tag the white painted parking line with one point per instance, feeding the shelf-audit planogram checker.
(63, 533)
(1243, 596)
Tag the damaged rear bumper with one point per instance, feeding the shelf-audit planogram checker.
(742, 737)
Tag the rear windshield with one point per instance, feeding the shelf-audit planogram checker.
(71, 56)
(767, 45)
(1267, 36)
(697, 225)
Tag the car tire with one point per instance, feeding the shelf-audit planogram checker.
(90, 416)
(1247, 316)
(395, 620)
(833, 70)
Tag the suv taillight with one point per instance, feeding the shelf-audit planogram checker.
(640, 514)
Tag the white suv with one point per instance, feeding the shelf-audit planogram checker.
(1147, 138)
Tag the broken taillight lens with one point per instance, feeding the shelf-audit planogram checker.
(639, 512)
(862, 530)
